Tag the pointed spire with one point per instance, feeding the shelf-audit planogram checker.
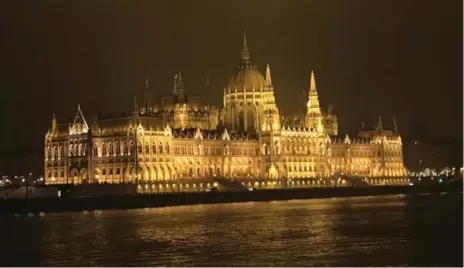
(136, 108)
(53, 122)
(379, 126)
(174, 91)
(146, 101)
(313, 98)
(395, 126)
(245, 53)
(135, 113)
(180, 80)
(312, 84)
(180, 88)
(268, 76)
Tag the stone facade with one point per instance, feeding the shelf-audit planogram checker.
(182, 140)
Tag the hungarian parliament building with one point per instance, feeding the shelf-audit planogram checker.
(180, 143)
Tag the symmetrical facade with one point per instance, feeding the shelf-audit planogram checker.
(181, 140)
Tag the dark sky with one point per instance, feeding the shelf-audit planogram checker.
(371, 58)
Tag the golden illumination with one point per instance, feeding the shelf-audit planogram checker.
(170, 143)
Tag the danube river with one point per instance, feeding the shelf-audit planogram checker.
(363, 231)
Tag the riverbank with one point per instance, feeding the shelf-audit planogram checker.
(56, 204)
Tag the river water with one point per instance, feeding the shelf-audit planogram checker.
(363, 231)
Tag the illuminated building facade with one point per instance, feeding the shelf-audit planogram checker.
(181, 140)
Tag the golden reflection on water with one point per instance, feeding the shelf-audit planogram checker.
(329, 232)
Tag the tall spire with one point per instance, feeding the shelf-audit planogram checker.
(136, 108)
(180, 83)
(135, 112)
(395, 126)
(313, 98)
(180, 88)
(54, 123)
(174, 89)
(314, 118)
(245, 53)
(146, 101)
(312, 85)
(379, 126)
(268, 76)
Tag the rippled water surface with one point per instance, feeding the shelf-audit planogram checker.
(366, 231)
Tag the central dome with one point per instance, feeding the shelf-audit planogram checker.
(247, 79)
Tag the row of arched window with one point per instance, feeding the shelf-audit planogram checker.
(301, 168)
(109, 148)
(123, 148)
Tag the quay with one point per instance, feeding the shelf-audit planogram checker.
(130, 201)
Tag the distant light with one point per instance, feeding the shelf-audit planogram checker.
(411, 184)
(440, 180)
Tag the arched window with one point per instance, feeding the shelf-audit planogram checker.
(251, 120)
(104, 148)
(61, 151)
(140, 148)
(131, 147)
(95, 149)
(118, 148)
(153, 148)
(241, 121)
(167, 148)
(147, 148)
(84, 149)
(110, 148)
(70, 151)
(55, 152)
(48, 152)
(124, 148)
(160, 147)
(265, 149)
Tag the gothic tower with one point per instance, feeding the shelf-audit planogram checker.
(313, 110)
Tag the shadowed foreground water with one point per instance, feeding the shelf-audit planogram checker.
(364, 231)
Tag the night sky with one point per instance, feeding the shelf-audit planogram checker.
(371, 58)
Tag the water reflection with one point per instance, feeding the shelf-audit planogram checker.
(382, 231)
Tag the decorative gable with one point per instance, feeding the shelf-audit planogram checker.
(347, 139)
(167, 131)
(140, 129)
(225, 135)
(198, 134)
(79, 125)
